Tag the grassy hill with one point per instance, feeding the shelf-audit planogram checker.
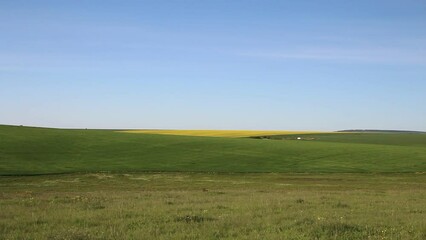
(378, 131)
(25, 150)
(396, 139)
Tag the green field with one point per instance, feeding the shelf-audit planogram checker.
(106, 184)
(28, 151)
(395, 139)
(213, 206)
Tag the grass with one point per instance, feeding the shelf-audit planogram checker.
(213, 206)
(394, 139)
(120, 185)
(28, 151)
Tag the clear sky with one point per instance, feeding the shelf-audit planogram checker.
(290, 65)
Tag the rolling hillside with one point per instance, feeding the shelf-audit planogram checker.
(26, 151)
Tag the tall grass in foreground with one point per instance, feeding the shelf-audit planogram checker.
(214, 206)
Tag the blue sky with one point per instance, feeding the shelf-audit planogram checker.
(296, 65)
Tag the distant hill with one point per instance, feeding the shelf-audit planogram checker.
(379, 131)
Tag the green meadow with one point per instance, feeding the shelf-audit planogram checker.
(29, 151)
(107, 184)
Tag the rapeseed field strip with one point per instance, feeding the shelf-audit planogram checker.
(222, 133)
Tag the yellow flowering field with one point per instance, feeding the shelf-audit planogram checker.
(222, 133)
